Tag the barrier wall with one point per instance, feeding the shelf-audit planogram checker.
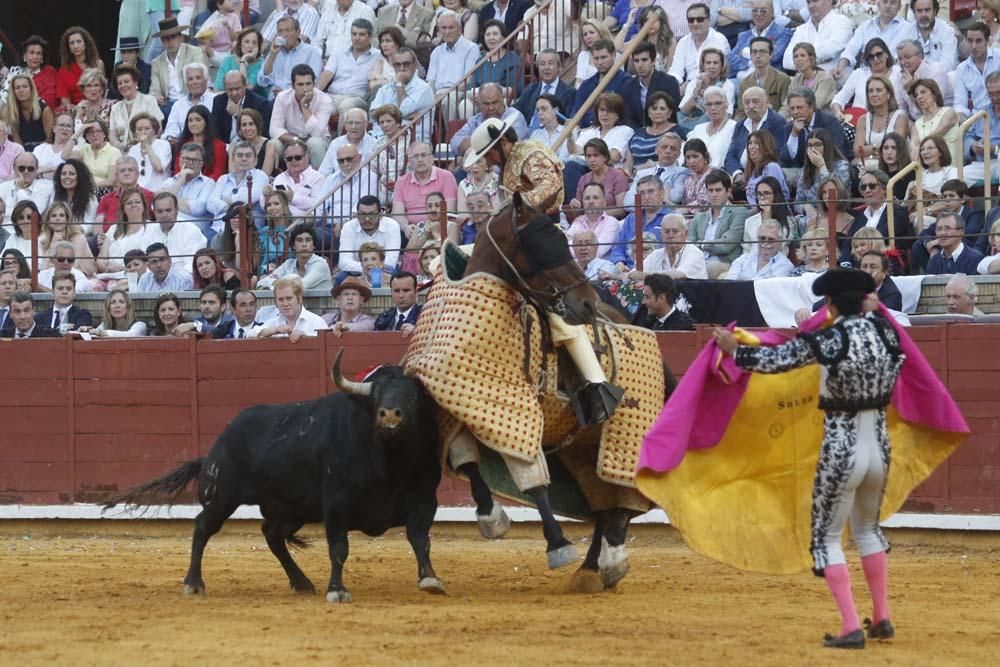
(81, 418)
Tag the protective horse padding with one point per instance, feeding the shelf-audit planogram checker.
(468, 349)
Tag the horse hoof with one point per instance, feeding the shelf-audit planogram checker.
(304, 588)
(194, 589)
(587, 582)
(431, 585)
(561, 557)
(613, 563)
(337, 597)
(495, 524)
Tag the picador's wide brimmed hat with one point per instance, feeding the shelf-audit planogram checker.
(352, 282)
(484, 138)
(169, 26)
(838, 281)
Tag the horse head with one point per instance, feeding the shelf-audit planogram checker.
(523, 246)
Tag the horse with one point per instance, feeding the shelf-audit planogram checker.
(528, 252)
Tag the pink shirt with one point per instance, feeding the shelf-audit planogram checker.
(8, 153)
(221, 41)
(412, 195)
(287, 117)
(304, 194)
(606, 229)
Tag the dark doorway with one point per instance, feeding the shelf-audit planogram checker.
(49, 18)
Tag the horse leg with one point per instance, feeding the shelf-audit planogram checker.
(208, 522)
(418, 528)
(336, 540)
(559, 550)
(587, 579)
(612, 560)
(276, 531)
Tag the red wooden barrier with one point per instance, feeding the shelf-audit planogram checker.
(83, 418)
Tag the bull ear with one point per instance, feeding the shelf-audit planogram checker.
(345, 385)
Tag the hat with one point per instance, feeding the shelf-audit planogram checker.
(352, 282)
(484, 138)
(169, 26)
(128, 44)
(836, 281)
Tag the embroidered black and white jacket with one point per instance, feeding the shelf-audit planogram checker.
(859, 358)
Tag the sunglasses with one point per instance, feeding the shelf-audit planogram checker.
(25, 168)
(869, 186)
(697, 19)
(875, 55)
(346, 160)
(68, 260)
(294, 158)
(142, 167)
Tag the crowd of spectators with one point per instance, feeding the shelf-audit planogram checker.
(331, 134)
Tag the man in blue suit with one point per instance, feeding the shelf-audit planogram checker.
(805, 119)
(953, 256)
(953, 200)
(760, 116)
(64, 313)
(405, 310)
(509, 11)
(226, 108)
(762, 25)
(602, 52)
(549, 83)
(646, 81)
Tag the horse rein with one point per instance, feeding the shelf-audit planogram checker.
(555, 294)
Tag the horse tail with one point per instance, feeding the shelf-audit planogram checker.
(298, 542)
(156, 491)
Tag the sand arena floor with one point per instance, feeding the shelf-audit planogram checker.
(98, 593)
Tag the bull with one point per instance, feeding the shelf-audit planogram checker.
(364, 459)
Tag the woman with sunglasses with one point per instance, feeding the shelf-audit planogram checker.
(152, 154)
(24, 216)
(876, 60)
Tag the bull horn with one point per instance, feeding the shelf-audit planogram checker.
(345, 385)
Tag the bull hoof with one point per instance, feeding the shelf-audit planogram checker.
(613, 563)
(431, 585)
(587, 582)
(561, 557)
(194, 589)
(337, 597)
(495, 524)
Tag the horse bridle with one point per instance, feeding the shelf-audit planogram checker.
(554, 295)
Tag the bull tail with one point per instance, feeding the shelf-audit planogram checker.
(159, 490)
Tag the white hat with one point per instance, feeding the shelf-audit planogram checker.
(484, 138)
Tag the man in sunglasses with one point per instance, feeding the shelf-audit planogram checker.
(887, 26)
(349, 185)
(686, 65)
(26, 185)
(828, 31)
(63, 260)
(302, 183)
(875, 213)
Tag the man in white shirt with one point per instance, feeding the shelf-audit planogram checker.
(356, 122)
(288, 52)
(347, 187)
(193, 189)
(63, 259)
(970, 76)
(409, 93)
(677, 258)
(301, 11)
(767, 260)
(182, 239)
(584, 246)
(937, 36)
(828, 31)
(450, 62)
(26, 185)
(336, 23)
(887, 26)
(196, 82)
(293, 320)
(346, 72)
(232, 188)
(686, 64)
(913, 66)
(369, 227)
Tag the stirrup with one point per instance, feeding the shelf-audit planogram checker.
(596, 402)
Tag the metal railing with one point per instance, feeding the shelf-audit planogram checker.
(987, 154)
(890, 212)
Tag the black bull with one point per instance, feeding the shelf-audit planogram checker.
(365, 459)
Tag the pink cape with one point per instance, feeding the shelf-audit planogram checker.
(698, 412)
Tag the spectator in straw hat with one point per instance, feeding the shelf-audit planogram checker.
(351, 296)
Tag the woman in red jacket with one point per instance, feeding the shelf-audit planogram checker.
(78, 52)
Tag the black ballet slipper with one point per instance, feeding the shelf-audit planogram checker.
(855, 639)
(881, 630)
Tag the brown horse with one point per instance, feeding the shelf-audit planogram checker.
(526, 250)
